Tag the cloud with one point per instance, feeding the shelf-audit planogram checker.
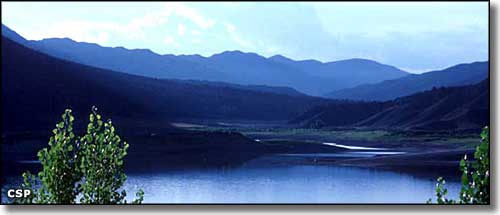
(189, 13)
(195, 32)
(196, 40)
(181, 29)
(81, 31)
(100, 32)
(230, 28)
(169, 40)
(294, 28)
(102, 37)
(235, 36)
(136, 27)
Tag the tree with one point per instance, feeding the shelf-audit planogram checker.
(475, 177)
(91, 166)
(57, 176)
(101, 163)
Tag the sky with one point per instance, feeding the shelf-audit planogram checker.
(414, 36)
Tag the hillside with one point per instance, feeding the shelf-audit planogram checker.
(14, 36)
(445, 108)
(440, 109)
(36, 88)
(459, 75)
(310, 77)
(259, 88)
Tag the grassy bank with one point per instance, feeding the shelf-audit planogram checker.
(455, 140)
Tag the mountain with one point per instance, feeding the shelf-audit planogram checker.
(14, 36)
(36, 88)
(310, 77)
(445, 108)
(141, 62)
(459, 75)
(253, 69)
(345, 73)
(262, 88)
(259, 88)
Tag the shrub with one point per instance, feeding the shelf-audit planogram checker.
(475, 177)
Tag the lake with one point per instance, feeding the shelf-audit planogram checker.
(263, 181)
(286, 184)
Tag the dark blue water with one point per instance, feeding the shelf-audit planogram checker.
(296, 183)
(286, 184)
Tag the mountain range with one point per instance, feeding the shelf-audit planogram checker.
(307, 76)
(459, 75)
(36, 88)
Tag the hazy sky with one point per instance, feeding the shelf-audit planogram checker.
(416, 36)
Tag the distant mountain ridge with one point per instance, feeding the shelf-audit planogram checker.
(355, 67)
(309, 76)
(458, 75)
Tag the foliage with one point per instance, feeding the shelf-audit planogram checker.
(475, 177)
(102, 154)
(90, 167)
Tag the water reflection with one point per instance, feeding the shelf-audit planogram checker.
(286, 184)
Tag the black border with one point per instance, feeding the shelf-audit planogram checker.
(468, 206)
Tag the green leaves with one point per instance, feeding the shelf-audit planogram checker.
(441, 193)
(475, 177)
(57, 176)
(90, 166)
(139, 197)
(102, 158)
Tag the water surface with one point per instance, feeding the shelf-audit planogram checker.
(282, 178)
(286, 184)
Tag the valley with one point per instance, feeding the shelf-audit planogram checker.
(233, 115)
(194, 124)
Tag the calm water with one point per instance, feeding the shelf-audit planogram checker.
(286, 184)
(257, 183)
